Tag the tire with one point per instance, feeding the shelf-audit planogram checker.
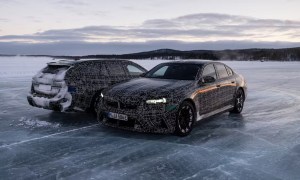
(238, 102)
(99, 117)
(185, 119)
(94, 103)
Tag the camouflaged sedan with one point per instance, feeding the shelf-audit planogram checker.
(172, 97)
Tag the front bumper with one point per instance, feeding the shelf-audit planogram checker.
(158, 118)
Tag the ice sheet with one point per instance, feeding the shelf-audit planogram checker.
(261, 143)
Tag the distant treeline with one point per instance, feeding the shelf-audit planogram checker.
(288, 54)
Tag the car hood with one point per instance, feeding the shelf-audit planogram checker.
(149, 87)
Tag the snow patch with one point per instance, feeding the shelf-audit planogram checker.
(35, 123)
(41, 101)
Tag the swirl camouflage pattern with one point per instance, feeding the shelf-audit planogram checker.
(172, 96)
(69, 85)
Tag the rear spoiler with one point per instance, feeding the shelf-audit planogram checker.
(62, 63)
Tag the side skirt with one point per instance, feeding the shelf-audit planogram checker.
(223, 109)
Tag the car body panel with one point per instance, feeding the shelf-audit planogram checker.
(129, 98)
(73, 84)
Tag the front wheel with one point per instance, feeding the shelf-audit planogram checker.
(239, 102)
(95, 103)
(185, 119)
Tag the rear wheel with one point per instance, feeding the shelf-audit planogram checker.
(185, 119)
(239, 102)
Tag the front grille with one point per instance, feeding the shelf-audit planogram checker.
(130, 123)
(128, 106)
(112, 104)
(121, 105)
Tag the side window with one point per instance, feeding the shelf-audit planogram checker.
(133, 70)
(209, 70)
(229, 71)
(115, 69)
(103, 70)
(221, 71)
(160, 72)
(96, 69)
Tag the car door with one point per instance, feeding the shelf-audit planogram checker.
(101, 79)
(226, 84)
(207, 92)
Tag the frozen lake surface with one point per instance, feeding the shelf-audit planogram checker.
(261, 143)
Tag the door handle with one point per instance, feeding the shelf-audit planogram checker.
(232, 82)
(218, 85)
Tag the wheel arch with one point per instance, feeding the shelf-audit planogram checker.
(189, 100)
(97, 92)
(242, 88)
(193, 103)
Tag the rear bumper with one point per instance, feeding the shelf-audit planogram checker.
(56, 104)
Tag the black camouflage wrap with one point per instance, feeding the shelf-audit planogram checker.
(129, 98)
(82, 81)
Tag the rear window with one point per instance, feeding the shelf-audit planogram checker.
(97, 69)
(115, 69)
(229, 71)
(221, 70)
(209, 70)
(54, 69)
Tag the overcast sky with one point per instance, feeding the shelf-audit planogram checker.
(78, 27)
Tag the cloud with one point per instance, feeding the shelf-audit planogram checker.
(86, 48)
(9, 1)
(71, 2)
(186, 31)
(3, 20)
(78, 7)
(194, 27)
(124, 34)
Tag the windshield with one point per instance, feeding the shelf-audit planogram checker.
(178, 71)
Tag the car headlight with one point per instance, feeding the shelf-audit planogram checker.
(156, 101)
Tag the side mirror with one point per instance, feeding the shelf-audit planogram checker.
(207, 80)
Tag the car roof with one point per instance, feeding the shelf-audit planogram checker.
(70, 62)
(200, 62)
